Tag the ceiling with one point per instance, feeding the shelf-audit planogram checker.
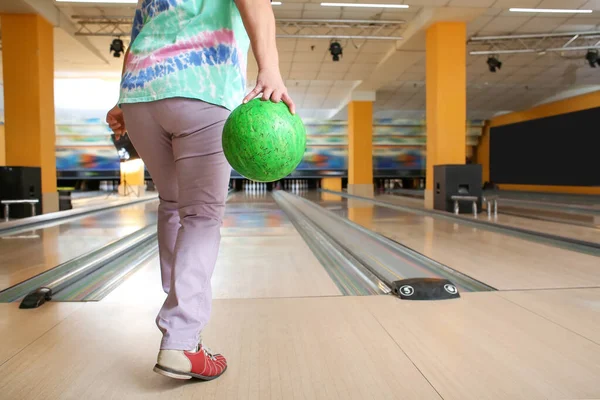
(321, 87)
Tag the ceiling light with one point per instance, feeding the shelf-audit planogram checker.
(493, 64)
(117, 48)
(363, 5)
(276, 3)
(99, 1)
(550, 10)
(336, 50)
(592, 58)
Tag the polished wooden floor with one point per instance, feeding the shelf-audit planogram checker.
(313, 343)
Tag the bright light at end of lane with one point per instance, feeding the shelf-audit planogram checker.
(364, 5)
(550, 10)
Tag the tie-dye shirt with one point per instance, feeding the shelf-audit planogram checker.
(186, 48)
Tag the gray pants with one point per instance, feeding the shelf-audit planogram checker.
(180, 143)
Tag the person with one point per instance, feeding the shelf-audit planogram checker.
(184, 72)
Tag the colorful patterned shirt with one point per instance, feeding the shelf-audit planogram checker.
(186, 48)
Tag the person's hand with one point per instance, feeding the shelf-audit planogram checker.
(116, 122)
(270, 84)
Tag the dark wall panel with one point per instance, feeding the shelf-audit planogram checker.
(559, 150)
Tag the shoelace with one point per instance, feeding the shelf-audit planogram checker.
(208, 352)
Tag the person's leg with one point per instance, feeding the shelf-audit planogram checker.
(153, 144)
(203, 174)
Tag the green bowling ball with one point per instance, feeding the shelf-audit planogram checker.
(263, 141)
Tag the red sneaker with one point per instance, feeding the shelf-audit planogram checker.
(201, 364)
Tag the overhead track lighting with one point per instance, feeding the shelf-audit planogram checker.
(493, 64)
(550, 10)
(364, 5)
(535, 43)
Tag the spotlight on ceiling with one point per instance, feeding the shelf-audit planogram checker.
(493, 64)
(117, 48)
(592, 58)
(336, 50)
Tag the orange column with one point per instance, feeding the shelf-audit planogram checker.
(28, 72)
(2, 146)
(360, 156)
(360, 147)
(333, 184)
(446, 77)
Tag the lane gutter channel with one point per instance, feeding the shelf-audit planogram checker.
(70, 272)
(438, 268)
(341, 265)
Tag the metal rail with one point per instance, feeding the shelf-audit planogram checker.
(7, 203)
(118, 26)
(535, 43)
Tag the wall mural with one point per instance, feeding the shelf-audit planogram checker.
(84, 146)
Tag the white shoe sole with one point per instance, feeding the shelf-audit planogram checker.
(183, 375)
(171, 374)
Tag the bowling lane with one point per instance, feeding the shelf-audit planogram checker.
(502, 261)
(29, 253)
(586, 233)
(574, 200)
(262, 255)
